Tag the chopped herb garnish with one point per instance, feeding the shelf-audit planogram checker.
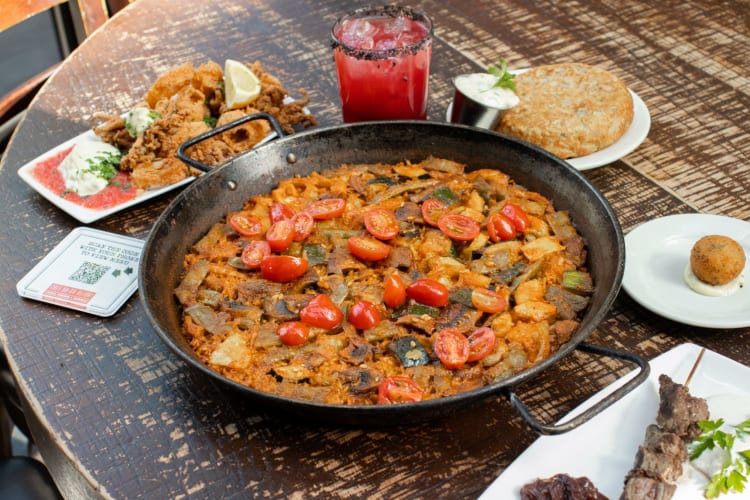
(130, 128)
(735, 466)
(139, 119)
(104, 165)
(210, 121)
(121, 185)
(504, 77)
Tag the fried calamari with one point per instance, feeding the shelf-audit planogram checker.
(185, 102)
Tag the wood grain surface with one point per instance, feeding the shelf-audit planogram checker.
(117, 415)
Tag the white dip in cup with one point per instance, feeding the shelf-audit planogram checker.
(477, 102)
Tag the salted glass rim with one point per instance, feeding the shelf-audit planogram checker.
(412, 13)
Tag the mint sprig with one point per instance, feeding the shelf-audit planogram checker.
(735, 467)
(504, 77)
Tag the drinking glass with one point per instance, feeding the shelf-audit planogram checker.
(382, 57)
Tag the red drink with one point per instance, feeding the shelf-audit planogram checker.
(382, 59)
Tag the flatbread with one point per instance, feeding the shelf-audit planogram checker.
(569, 109)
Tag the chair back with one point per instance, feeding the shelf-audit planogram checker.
(92, 13)
(85, 17)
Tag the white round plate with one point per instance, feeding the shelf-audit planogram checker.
(656, 254)
(631, 139)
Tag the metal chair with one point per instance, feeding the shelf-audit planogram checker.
(22, 477)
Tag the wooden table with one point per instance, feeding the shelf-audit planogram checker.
(116, 414)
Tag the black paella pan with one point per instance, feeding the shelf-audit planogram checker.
(225, 188)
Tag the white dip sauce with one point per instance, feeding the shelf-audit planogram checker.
(479, 87)
(139, 119)
(79, 167)
(710, 290)
(733, 409)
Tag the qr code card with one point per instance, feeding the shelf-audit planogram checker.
(90, 270)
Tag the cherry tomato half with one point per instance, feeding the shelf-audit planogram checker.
(321, 312)
(279, 235)
(488, 301)
(368, 249)
(432, 210)
(517, 216)
(394, 291)
(399, 390)
(282, 268)
(293, 332)
(280, 211)
(364, 315)
(303, 225)
(481, 343)
(254, 253)
(500, 228)
(329, 208)
(246, 225)
(459, 227)
(451, 347)
(381, 223)
(428, 292)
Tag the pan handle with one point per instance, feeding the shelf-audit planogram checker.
(218, 130)
(606, 402)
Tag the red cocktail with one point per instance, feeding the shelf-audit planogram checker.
(382, 59)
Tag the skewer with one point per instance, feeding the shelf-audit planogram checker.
(695, 366)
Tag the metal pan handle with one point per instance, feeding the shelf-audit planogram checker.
(218, 130)
(616, 395)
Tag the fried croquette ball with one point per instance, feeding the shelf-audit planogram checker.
(717, 259)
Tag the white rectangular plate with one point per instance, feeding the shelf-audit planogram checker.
(84, 214)
(604, 448)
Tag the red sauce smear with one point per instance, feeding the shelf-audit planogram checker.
(119, 190)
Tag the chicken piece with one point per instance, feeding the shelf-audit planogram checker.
(190, 104)
(113, 130)
(207, 79)
(434, 244)
(243, 137)
(234, 351)
(531, 290)
(540, 247)
(170, 83)
(159, 173)
(533, 338)
(212, 152)
(179, 132)
(207, 245)
(160, 142)
(187, 290)
(564, 328)
(535, 311)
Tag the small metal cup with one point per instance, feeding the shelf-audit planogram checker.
(467, 111)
